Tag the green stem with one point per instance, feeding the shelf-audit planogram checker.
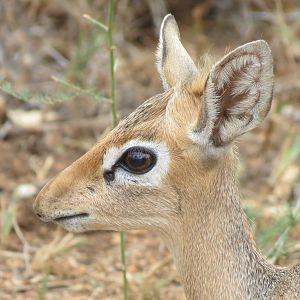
(112, 62)
(124, 271)
(114, 121)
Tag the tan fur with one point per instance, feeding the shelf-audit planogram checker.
(173, 62)
(195, 208)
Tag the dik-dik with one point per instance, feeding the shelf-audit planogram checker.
(170, 166)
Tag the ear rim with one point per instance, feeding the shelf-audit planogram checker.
(168, 27)
(211, 107)
(161, 51)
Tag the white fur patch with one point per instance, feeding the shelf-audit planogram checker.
(152, 178)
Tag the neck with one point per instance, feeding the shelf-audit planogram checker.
(213, 250)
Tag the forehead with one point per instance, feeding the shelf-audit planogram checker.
(144, 123)
(143, 127)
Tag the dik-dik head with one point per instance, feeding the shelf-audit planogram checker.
(138, 176)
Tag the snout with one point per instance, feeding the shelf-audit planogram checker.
(49, 207)
(48, 211)
(66, 199)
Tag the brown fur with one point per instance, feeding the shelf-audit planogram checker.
(195, 208)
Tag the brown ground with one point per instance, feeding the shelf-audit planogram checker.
(40, 39)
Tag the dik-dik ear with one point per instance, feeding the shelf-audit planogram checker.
(173, 62)
(237, 96)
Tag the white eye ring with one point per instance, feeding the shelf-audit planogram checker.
(116, 171)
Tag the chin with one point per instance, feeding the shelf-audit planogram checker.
(73, 226)
(76, 224)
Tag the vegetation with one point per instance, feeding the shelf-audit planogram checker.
(59, 58)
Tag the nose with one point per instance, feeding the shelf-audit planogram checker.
(43, 203)
(39, 210)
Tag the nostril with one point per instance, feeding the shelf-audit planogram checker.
(43, 217)
(38, 213)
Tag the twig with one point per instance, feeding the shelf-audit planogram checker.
(12, 254)
(99, 24)
(26, 246)
(81, 91)
(59, 284)
(94, 293)
(156, 267)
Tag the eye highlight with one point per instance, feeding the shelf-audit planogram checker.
(137, 160)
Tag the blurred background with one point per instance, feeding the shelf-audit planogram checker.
(54, 79)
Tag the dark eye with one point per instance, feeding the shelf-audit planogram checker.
(137, 160)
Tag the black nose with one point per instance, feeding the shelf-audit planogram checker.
(39, 214)
(42, 217)
(37, 209)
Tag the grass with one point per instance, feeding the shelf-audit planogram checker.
(74, 92)
(87, 45)
(43, 288)
(274, 240)
(7, 216)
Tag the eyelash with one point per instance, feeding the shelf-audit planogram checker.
(137, 150)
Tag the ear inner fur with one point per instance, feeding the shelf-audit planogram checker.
(237, 95)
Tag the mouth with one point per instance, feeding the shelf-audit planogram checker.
(75, 217)
(73, 222)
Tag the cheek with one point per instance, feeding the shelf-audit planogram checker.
(136, 201)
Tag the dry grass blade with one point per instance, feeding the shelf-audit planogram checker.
(58, 246)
